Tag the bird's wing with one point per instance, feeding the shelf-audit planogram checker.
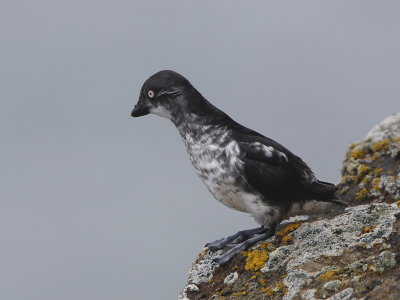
(272, 169)
(261, 152)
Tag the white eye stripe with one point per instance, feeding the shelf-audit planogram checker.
(150, 93)
(168, 92)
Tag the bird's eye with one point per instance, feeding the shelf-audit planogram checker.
(150, 93)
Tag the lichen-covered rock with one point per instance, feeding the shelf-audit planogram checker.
(353, 255)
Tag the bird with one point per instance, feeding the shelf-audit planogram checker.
(241, 168)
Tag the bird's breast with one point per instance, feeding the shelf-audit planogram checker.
(217, 160)
(219, 167)
(213, 161)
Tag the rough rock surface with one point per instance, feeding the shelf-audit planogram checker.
(352, 255)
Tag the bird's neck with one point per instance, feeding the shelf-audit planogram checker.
(194, 127)
(199, 119)
(198, 111)
(203, 129)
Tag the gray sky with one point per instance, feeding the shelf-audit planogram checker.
(97, 205)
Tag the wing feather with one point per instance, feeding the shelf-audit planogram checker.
(272, 169)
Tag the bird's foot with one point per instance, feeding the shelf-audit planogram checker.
(242, 240)
(235, 238)
(227, 256)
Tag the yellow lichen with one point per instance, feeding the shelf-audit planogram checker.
(217, 295)
(375, 184)
(362, 194)
(357, 153)
(328, 274)
(381, 146)
(363, 169)
(281, 287)
(264, 245)
(365, 180)
(267, 291)
(255, 259)
(241, 293)
(378, 171)
(262, 281)
(398, 203)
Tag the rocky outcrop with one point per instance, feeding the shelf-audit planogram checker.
(353, 255)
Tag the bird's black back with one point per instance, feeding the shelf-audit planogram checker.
(280, 181)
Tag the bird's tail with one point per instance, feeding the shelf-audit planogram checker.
(325, 192)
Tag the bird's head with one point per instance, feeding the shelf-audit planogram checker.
(167, 94)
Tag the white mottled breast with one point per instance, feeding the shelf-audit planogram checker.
(216, 159)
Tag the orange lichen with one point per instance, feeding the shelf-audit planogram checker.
(346, 178)
(289, 228)
(255, 259)
(262, 281)
(371, 268)
(287, 239)
(367, 229)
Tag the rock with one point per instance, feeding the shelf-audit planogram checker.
(352, 255)
(332, 285)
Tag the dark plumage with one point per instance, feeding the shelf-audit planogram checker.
(242, 169)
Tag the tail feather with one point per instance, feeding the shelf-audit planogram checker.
(321, 189)
(325, 191)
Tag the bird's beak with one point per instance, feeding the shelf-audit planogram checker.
(140, 109)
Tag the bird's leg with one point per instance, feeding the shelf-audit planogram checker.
(238, 237)
(225, 257)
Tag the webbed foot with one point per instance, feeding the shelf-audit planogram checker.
(236, 238)
(243, 240)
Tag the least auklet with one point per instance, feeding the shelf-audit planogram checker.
(242, 169)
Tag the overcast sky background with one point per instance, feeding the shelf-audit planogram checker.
(97, 205)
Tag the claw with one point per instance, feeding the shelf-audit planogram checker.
(228, 255)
